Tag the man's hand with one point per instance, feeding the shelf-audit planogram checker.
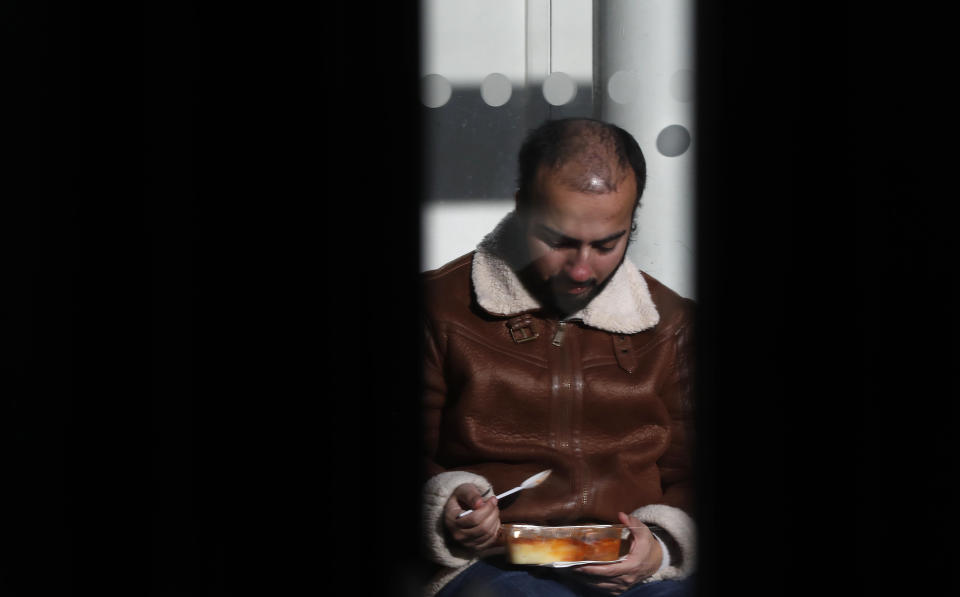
(479, 529)
(643, 560)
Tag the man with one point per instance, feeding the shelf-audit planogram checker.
(546, 348)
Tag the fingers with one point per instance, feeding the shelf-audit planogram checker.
(636, 526)
(484, 516)
(478, 529)
(640, 535)
(637, 563)
(615, 569)
(467, 495)
(610, 578)
(625, 566)
(603, 578)
(464, 497)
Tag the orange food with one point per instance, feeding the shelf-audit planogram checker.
(563, 549)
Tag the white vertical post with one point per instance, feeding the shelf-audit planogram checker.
(537, 48)
(644, 77)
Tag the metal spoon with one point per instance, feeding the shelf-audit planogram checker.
(529, 483)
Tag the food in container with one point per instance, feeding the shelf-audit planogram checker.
(563, 545)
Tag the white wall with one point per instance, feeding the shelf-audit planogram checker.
(466, 40)
(646, 58)
(454, 229)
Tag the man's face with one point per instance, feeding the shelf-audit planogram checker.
(577, 239)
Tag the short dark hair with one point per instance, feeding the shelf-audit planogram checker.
(594, 143)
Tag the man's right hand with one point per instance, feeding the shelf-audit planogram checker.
(477, 530)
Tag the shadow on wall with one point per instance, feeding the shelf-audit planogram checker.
(470, 147)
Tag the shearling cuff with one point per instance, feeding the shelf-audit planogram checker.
(435, 495)
(682, 529)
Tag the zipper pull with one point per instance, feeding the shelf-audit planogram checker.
(558, 336)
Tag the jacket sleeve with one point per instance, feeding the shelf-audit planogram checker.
(676, 475)
(677, 529)
(440, 483)
(672, 514)
(434, 398)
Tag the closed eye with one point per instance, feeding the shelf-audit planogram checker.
(605, 246)
(555, 240)
(563, 244)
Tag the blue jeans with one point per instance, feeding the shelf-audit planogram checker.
(494, 577)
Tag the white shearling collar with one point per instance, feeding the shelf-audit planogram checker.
(624, 306)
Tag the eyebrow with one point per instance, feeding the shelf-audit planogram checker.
(558, 237)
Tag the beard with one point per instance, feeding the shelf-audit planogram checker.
(564, 300)
(555, 292)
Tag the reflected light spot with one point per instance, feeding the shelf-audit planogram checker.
(496, 90)
(559, 88)
(623, 87)
(435, 91)
(673, 140)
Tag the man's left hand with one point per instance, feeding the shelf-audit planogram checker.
(642, 561)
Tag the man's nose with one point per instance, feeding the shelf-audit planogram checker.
(578, 267)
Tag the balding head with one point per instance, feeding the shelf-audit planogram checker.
(585, 155)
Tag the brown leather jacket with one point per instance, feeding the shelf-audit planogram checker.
(603, 400)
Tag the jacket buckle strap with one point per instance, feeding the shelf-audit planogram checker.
(521, 329)
(623, 349)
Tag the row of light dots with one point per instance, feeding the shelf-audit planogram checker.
(558, 88)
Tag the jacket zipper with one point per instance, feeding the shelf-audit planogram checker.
(558, 335)
(583, 496)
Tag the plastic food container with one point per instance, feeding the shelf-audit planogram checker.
(564, 546)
